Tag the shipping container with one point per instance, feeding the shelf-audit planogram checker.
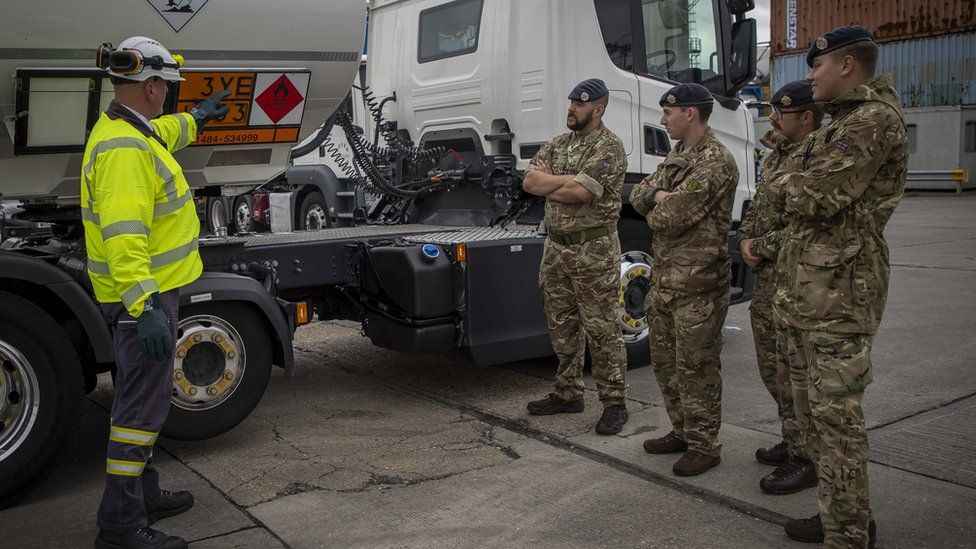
(795, 24)
(931, 72)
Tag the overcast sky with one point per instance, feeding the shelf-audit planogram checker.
(761, 13)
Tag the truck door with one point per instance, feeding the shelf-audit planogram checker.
(680, 41)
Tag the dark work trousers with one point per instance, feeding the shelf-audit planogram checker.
(143, 389)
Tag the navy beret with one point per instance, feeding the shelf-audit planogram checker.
(793, 94)
(588, 90)
(687, 95)
(838, 38)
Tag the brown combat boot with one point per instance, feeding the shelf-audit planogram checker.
(552, 404)
(694, 463)
(774, 455)
(668, 444)
(789, 478)
(811, 530)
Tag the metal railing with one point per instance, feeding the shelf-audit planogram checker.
(938, 179)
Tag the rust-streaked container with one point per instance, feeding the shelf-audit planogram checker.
(796, 23)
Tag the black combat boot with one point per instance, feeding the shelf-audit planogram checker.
(790, 478)
(168, 504)
(774, 455)
(811, 530)
(143, 538)
(613, 419)
(552, 404)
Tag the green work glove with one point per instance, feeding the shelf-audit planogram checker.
(154, 331)
(209, 109)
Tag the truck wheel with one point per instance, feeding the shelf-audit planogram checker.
(635, 285)
(41, 390)
(243, 222)
(314, 213)
(216, 214)
(220, 371)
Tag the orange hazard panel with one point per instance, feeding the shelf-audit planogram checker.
(236, 127)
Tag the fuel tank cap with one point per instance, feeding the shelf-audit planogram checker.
(430, 251)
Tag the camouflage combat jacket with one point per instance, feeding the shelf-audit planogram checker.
(598, 162)
(766, 218)
(691, 226)
(847, 179)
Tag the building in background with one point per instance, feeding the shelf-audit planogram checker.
(929, 47)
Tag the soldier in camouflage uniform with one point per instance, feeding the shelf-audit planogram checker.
(795, 116)
(850, 178)
(687, 201)
(580, 173)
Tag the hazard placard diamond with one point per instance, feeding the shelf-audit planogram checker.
(279, 99)
(177, 13)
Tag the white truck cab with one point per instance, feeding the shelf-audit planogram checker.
(500, 71)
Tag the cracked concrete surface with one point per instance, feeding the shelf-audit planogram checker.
(541, 500)
(351, 437)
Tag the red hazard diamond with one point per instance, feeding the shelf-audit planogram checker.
(279, 99)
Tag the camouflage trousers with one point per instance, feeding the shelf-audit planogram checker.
(798, 432)
(579, 294)
(686, 344)
(773, 356)
(838, 368)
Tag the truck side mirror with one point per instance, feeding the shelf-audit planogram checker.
(742, 67)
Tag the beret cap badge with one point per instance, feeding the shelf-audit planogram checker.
(585, 96)
(786, 101)
(671, 98)
(821, 43)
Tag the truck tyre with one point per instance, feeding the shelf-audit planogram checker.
(243, 220)
(216, 214)
(635, 285)
(314, 213)
(220, 371)
(42, 389)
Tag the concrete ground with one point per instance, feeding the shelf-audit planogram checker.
(370, 448)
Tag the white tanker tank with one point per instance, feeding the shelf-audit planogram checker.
(288, 66)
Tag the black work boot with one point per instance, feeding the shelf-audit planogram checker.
(774, 455)
(811, 530)
(613, 419)
(143, 538)
(668, 444)
(790, 477)
(552, 404)
(168, 504)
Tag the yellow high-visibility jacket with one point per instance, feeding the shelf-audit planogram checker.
(141, 225)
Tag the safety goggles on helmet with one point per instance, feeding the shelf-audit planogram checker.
(126, 62)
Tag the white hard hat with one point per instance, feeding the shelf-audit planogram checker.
(139, 58)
